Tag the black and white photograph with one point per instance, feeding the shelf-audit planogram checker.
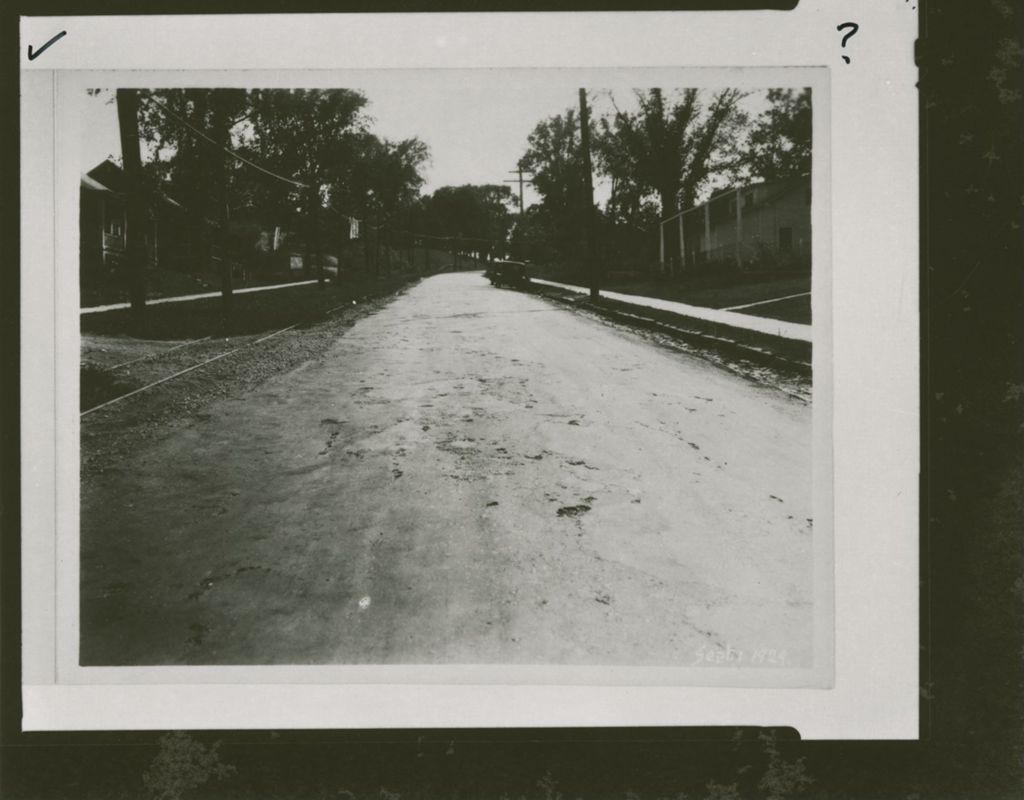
(512, 404)
(474, 369)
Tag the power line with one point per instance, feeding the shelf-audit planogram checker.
(230, 152)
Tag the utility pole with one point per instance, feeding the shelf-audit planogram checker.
(521, 180)
(226, 288)
(588, 198)
(222, 133)
(135, 215)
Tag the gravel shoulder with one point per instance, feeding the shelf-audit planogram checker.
(111, 434)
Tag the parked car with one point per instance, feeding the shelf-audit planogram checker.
(508, 273)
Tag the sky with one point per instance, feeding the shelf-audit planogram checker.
(476, 125)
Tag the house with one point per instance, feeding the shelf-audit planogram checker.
(103, 226)
(759, 226)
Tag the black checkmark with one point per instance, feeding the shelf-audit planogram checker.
(32, 56)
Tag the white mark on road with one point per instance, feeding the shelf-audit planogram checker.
(364, 603)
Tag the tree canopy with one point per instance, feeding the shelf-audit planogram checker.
(470, 211)
(553, 156)
(383, 179)
(779, 145)
(669, 147)
(658, 156)
(298, 159)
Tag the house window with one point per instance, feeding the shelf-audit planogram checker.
(785, 240)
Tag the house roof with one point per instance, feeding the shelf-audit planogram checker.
(730, 189)
(94, 185)
(778, 187)
(109, 177)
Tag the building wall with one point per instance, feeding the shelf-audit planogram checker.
(90, 243)
(101, 235)
(774, 230)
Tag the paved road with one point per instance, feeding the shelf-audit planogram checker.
(471, 475)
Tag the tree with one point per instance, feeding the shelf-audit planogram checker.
(532, 236)
(669, 147)
(224, 104)
(779, 144)
(128, 123)
(383, 181)
(481, 212)
(187, 132)
(554, 157)
(312, 135)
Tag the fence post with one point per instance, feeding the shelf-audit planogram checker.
(682, 245)
(707, 226)
(661, 245)
(739, 229)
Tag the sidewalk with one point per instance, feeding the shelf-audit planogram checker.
(773, 327)
(187, 297)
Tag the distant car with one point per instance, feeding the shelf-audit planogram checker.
(508, 273)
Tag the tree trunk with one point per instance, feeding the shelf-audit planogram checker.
(128, 123)
(202, 251)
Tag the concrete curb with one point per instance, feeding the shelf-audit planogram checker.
(762, 348)
(718, 316)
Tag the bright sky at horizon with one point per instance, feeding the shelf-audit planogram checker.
(476, 130)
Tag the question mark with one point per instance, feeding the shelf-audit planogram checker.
(854, 27)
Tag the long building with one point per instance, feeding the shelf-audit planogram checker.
(759, 226)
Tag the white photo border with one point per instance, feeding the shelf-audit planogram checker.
(483, 696)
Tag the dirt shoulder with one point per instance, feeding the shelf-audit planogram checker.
(111, 434)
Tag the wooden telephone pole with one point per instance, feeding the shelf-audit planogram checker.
(135, 245)
(588, 198)
(521, 180)
(222, 134)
